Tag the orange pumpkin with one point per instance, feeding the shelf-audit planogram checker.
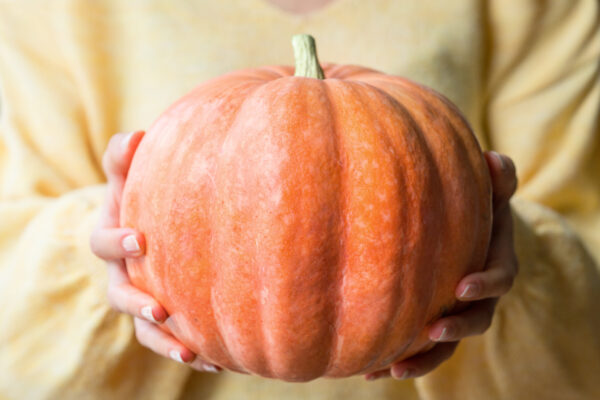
(300, 227)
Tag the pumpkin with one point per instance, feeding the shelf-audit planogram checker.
(308, 225)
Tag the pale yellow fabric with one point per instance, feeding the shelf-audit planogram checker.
(72, 73)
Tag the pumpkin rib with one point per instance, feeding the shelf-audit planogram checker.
(367, 106)
(314, 98)
(417, 127)
(382, 99)
(215, 225)
(236, 92)
(250, 328)
(341, 241)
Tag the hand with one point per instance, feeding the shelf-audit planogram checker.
(113, 244)
(482, 289)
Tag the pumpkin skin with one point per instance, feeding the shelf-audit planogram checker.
(299, 228)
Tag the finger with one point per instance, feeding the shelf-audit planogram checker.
(384, 373)
(473, 321)
(125, 297)
(160, 342)
(117, 243)
(119, 153)
(502, 246)
(200, 365)
(493, 282)
(421, 364)
(501, 264)
(115, 162)
(418, 365)
(152, 337)
(503, 175)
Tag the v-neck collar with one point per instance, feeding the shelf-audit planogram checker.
(318, 11)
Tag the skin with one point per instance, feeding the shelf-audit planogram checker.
(482, 289)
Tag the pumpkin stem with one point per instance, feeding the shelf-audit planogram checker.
(305, 53)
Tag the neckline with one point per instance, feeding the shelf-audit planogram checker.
(321, 10)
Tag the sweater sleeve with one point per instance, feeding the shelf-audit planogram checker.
(59, 337)
(543, 97)
(542, 110)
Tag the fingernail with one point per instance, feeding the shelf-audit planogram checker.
(470, 291)
(126, 140)
(444, 335)
(211, 368)
(130, 244)
(175, 355)
(147, 313)
(370, 377)
(500, 159)
(407, 374)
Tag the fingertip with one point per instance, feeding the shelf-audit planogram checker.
(495, 160)
(154, 314)
(125, 142)
(503, 174)
(212, 368)
(130, 141)
(182, 355)
(205, 366)
(134, 243)
(401, 372)
(468, 291)
(438, 333)
(118, 154)
(377, 375)
(159, 314)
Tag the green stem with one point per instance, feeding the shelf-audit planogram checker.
(305, 53)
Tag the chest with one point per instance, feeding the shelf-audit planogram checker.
(435, 42)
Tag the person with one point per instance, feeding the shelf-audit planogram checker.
(523, 72)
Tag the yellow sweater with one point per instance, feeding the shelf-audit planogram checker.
(74, 72)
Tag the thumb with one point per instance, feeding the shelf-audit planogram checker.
(119, 153)
(116, 162)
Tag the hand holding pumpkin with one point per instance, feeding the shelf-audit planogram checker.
(481, 288)
(113, 244)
